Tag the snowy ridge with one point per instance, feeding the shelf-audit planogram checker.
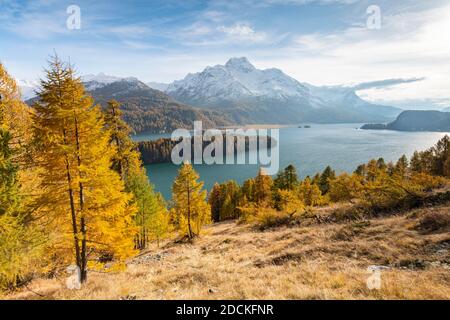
(235, 80)
(271, 95)
(28, 88)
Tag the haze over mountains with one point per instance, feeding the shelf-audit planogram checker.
(234, 93)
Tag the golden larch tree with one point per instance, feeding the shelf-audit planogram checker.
(82, 195)
(190, 209)
(152, 217)
(21, 238)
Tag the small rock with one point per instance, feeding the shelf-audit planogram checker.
(377, 268)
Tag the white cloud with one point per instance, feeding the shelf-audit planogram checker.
(409, 45)
(242, 32)
(385, 83)
(35, 25)
(128, 31)
(269, 3)
(213, 15)
(197, 29)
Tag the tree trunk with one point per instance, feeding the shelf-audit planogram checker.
(83, 277)
(82, 220)
(74, 219)
(72, 211)
(189, 212)
(116, 139)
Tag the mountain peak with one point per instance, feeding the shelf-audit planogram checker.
(241, 64)
(100, 77)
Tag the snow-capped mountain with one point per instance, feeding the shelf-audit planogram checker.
(96, 81)
(237, 79)
(245, 94)
(149, 110)
(91, 82)
(253, 95)
(144, 108)
(101, 78)
(158, 85)
(28, 88)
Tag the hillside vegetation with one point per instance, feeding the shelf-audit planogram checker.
(416, 120)
(309, 260)
(149, 110)
(75, 198)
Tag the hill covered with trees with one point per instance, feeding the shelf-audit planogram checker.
(149, 110)
(160, 150)
(416, 120)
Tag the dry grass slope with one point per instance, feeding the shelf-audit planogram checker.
(314, 261)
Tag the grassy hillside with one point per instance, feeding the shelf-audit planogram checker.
(311, 259)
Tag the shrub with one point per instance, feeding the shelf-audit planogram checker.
(434, 221)
(269, 218)
(345, 187)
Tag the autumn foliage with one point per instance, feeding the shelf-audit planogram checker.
(73, 189)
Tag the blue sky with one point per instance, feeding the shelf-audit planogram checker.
(324, 42)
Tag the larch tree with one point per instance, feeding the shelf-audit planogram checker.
(325, 179)
(441, 157)
(189, 202)
(215, 202)
(14, 114)
(345, 187)
(11, 225)
(160, 226)
(287, 179)
(227, 210)
(263, 188)
(401, 167)
(381, 164)
(21, 241)
(416, 162)
(152, 217)
(126, 157)
(231, 196)
(248, 190)
(309, 193)
(82, 195)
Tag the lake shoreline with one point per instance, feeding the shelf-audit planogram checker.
(341, 146)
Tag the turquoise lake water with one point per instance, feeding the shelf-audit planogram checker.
(342, 146)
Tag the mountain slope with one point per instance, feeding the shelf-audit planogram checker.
(416, 120)
(308, 261)
(149, 110)
(250, 95)
(146, 109)
(28, 88)
(158, 85)
(345, 98)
